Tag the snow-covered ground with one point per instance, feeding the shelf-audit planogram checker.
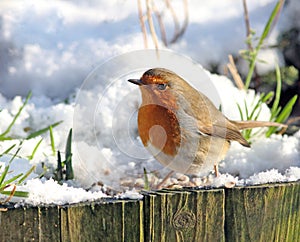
(51, 47)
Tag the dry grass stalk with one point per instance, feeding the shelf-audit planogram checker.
(152, 9)
(11, 193)
(247, 23)
(288, 123)
(151, 24)
(179, 31)
(142, 23)
(161, 24)
(234, 72)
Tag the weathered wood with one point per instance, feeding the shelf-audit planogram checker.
(185, 215)
(256, 213)
(114, 220)
(109, 221)
(49, 223)
(20, 225)
(263, 213)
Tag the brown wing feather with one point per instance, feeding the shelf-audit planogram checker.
(230, 132)
(212, 122)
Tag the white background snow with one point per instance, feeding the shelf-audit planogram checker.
(50, 47)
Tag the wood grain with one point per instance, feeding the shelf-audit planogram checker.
(254, 213)
(263, 213)
(184, 215)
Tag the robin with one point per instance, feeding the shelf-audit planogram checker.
(181, 127)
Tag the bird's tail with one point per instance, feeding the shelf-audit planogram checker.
(249, 124)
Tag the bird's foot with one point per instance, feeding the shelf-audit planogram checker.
(163, 182)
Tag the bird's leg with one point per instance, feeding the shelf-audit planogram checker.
(216, 169)
(159, 185)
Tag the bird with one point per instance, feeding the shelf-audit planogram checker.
(182, 128)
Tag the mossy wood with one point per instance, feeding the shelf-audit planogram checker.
(257, 213)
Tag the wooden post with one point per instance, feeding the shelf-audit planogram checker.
(263, 213)
(117, 220)
(255, 213)
(106, 220)
(184, 215)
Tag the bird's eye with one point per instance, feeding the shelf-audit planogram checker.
(161, 86)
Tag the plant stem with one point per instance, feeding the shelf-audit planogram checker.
(260, 42)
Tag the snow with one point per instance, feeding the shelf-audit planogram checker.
(41, 192)
(50, 48)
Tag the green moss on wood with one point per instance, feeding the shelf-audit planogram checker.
(257, 213)
(263, 213)
(184, 215)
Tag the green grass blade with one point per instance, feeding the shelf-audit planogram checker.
(240, 111)
(247, 134)
(254, 110)
(246, 110)
(15, 154)
(250, 73)
(242, 117)
(286, 111)
(26, 175)
(59, 171)
(69, 168)
(220, 108)
(16, 194)
(146, 186)
(41, 131)
(10, 180)
(44, 171)
(276, 113)
(69, 145)
(3, 138)
(257, 113)
(256, 107)
(8, 150)
(16, 116)
(52, 140)
(268, 26)
(277, 93)
(264, 35)
(268, 97)
(35, 149)
(283, 116)
(3, 175)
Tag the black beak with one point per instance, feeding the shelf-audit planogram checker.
(136, 81)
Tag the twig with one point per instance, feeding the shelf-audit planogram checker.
(11, 193)
(164, 180)
(293, 120)
(151, 25)
(175, 18)
(247, 23)
(161, 24)
(150, 10)
(289, 122)
(249, 42)
(234, 72)
(180, 32)
(142, 23)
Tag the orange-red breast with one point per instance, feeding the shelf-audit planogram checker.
(181, 127)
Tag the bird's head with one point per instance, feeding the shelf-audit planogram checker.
(162, 87)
